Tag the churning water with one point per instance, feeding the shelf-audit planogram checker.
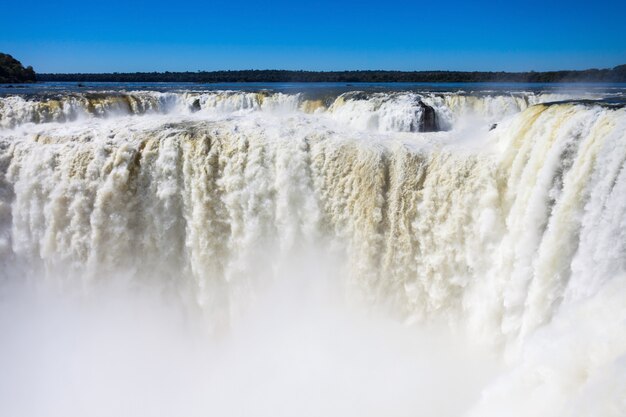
(382, 252)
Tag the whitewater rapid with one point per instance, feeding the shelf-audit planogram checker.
(501, 216)
(377, 111)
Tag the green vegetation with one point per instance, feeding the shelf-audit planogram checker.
(617, 74)
(12, 71)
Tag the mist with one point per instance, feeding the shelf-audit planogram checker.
(296, 350)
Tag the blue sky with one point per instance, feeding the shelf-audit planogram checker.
(117, 35)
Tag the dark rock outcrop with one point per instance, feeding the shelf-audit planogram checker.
(427, 121)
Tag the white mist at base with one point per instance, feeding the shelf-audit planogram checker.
(297, 352)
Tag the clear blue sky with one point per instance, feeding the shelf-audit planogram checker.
(127, 35)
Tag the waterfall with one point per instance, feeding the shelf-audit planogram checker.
(516, 234)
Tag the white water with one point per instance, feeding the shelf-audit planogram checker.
(257, 254)
(384, 112)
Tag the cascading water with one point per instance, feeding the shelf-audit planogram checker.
(509, 240)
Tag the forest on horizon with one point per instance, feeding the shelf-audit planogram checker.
(12, 71)
(617, 74)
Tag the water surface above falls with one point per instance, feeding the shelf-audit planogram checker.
(47, 87)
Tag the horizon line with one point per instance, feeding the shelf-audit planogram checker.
(339, 71)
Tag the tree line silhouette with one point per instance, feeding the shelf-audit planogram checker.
(617, 74)
(12, 71)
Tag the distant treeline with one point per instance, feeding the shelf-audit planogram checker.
(12, 71)
(617, 74)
